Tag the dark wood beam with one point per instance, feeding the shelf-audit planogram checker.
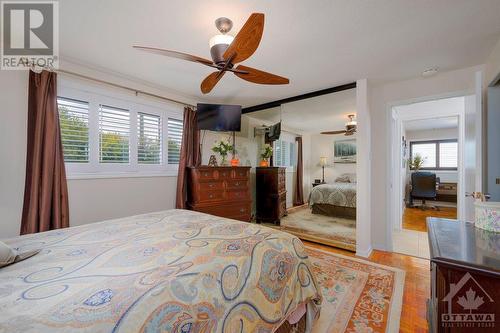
(299, 97)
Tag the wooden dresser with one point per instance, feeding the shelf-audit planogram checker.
(221, 191)
(270, 194)
(465, 277)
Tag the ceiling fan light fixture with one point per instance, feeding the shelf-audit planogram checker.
(220, 39)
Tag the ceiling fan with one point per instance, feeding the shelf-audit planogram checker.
(350, 127)
(226, 51)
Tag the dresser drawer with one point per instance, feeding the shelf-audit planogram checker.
(225, 174)
(237, 195)
(224, 210)
(237, 184)
(240, 174)
(211, 195)
(211, 185)
(207, 174)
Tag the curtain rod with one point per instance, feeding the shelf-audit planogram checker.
(136, 91)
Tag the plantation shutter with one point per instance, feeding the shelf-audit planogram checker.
(174, 127)
(448, 154)
(149, 139)
(114, 134)
(74, 124)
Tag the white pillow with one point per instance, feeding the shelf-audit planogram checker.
(7, 254)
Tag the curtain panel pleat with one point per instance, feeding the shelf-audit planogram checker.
(190, 155)
(298, 194)
(46, 192)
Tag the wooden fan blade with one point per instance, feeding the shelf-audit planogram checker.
(247, 40)
(258, 76)
(174, 54)
(210, 81)
(334, 132)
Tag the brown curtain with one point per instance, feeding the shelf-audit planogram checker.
(190, 155)
(45, 190)
(298, 194)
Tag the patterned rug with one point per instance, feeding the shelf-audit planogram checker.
(333, 231)
(358, 295)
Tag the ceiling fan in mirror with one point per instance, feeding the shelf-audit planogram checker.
(227, 51)
(350, 127)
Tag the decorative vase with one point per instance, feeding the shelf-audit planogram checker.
(223, 161)
(264, 163)
(235, 162)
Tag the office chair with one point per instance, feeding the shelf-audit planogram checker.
(423, 187)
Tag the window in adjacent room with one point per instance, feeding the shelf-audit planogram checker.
(437, 154)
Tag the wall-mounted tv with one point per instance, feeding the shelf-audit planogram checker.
(219, 117)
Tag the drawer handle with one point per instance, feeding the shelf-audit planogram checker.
(242, 210)
(237, 194)
(206, 174)
(211, 185)
(210, 196)
(224, 174)
(237, 184)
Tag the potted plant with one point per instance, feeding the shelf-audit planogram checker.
(222, 148)
(416, 162)
(266, 153)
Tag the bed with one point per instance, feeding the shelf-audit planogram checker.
(337, 199)
(171, 271)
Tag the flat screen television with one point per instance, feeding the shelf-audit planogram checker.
(219, 117)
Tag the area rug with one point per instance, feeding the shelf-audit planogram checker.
(333, 231)
(358, 295)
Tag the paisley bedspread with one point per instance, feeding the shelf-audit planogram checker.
(336, 194)
(171, 271)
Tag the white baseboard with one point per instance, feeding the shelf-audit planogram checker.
(364, 253)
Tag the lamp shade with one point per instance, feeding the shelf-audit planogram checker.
(323, 161)
(220, 39)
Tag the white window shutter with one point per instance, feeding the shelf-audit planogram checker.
(74, 124)
(114, 135)
(174, 128)
(149, 139)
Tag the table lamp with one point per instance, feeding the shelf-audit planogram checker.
(323, 161)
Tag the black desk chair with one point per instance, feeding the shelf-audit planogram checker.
(423, 187)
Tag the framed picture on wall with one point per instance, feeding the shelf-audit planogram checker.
(344, 151)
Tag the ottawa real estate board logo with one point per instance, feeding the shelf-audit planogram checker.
(30, 34)
(468, 305)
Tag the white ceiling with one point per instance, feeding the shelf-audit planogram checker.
(317, 44)
(313, 115)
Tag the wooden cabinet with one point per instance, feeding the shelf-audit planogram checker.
(270, 194)
(221, 191)
(465, 277)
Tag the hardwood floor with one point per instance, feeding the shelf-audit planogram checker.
(414, 218)
(417, 284)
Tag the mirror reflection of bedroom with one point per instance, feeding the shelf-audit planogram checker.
(327, 127)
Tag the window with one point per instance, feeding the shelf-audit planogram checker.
(106, 134)
(174, 140)
(114, 134)
(74, 122)
(437, 154)
(149, 139)
(284, 153)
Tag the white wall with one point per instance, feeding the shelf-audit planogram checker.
(382, 98)
(322, 145)
(90, 200)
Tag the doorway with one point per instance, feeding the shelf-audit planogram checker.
(428, 146)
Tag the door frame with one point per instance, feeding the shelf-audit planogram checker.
(395, 120)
